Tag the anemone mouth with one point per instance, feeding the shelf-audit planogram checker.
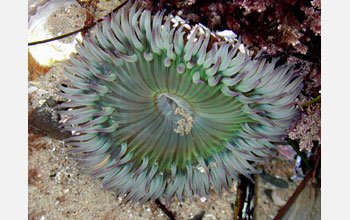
(159, 111)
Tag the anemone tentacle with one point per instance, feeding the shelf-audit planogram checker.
(158, 110)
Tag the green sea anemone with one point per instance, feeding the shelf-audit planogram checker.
(158, 110)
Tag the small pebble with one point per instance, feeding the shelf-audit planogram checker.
(277, 200)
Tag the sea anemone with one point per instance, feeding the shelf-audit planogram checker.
(157, 110)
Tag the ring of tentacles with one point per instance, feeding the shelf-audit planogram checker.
(156, 110)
